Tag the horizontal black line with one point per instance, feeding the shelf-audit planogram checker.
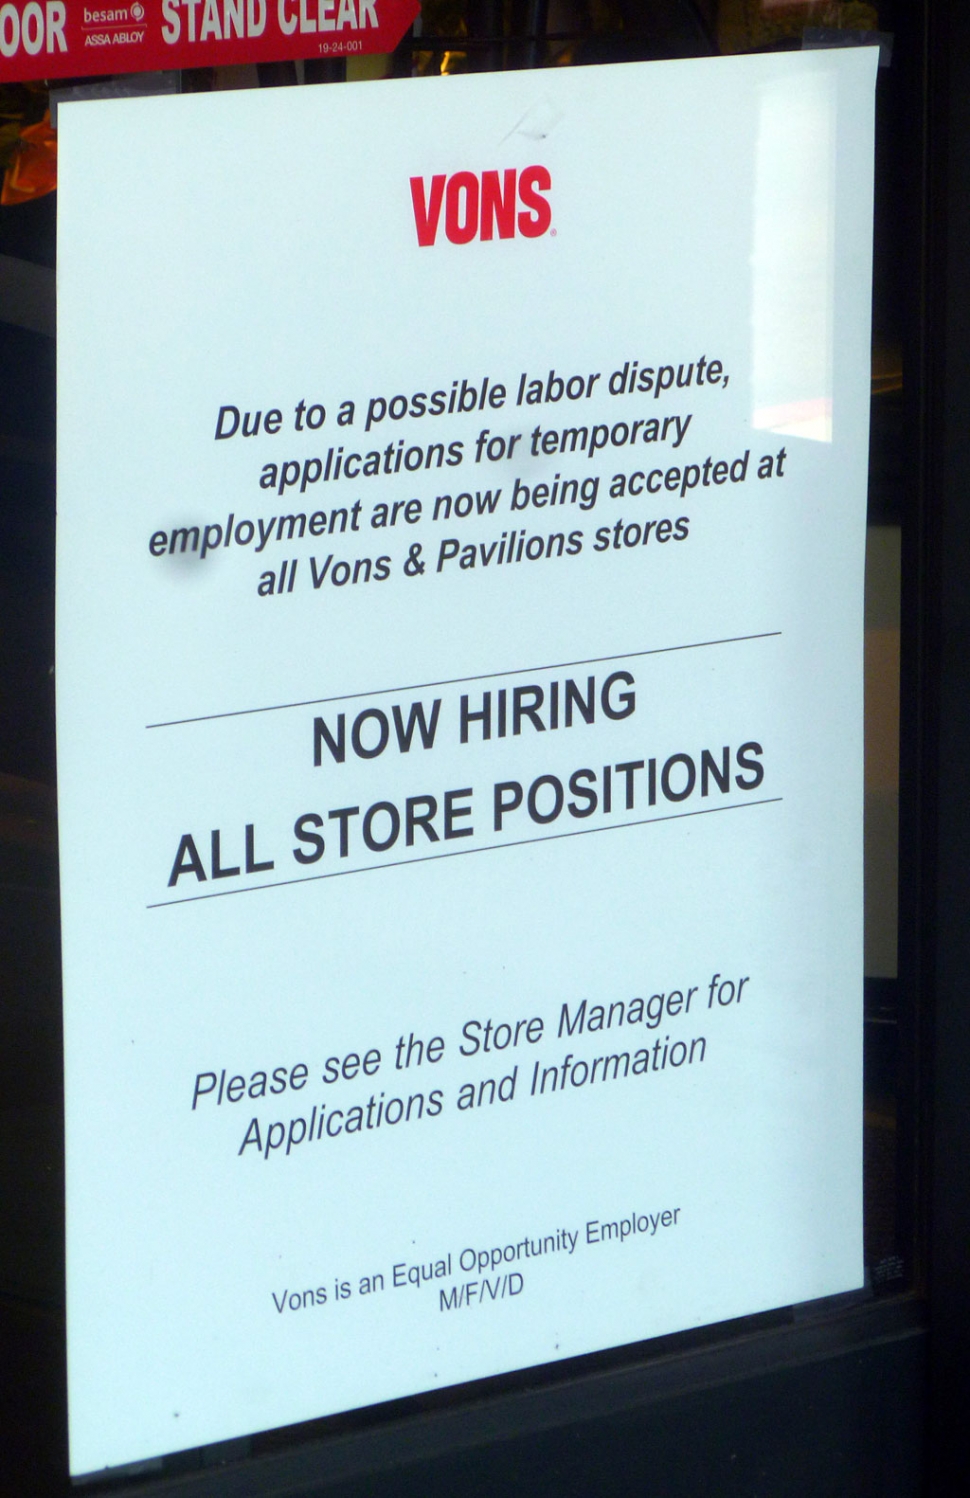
(522, 842)
(424, 686)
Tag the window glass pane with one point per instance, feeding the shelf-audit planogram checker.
(452, 36)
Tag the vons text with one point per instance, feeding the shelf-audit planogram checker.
(482, 205)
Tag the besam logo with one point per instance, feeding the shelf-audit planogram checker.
(481, 206)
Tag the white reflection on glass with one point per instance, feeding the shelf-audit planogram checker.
(792, 261)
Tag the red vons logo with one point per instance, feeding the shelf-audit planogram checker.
(477, 206)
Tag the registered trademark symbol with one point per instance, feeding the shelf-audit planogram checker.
(552, 231)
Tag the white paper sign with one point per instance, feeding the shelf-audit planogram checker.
(460, 550)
